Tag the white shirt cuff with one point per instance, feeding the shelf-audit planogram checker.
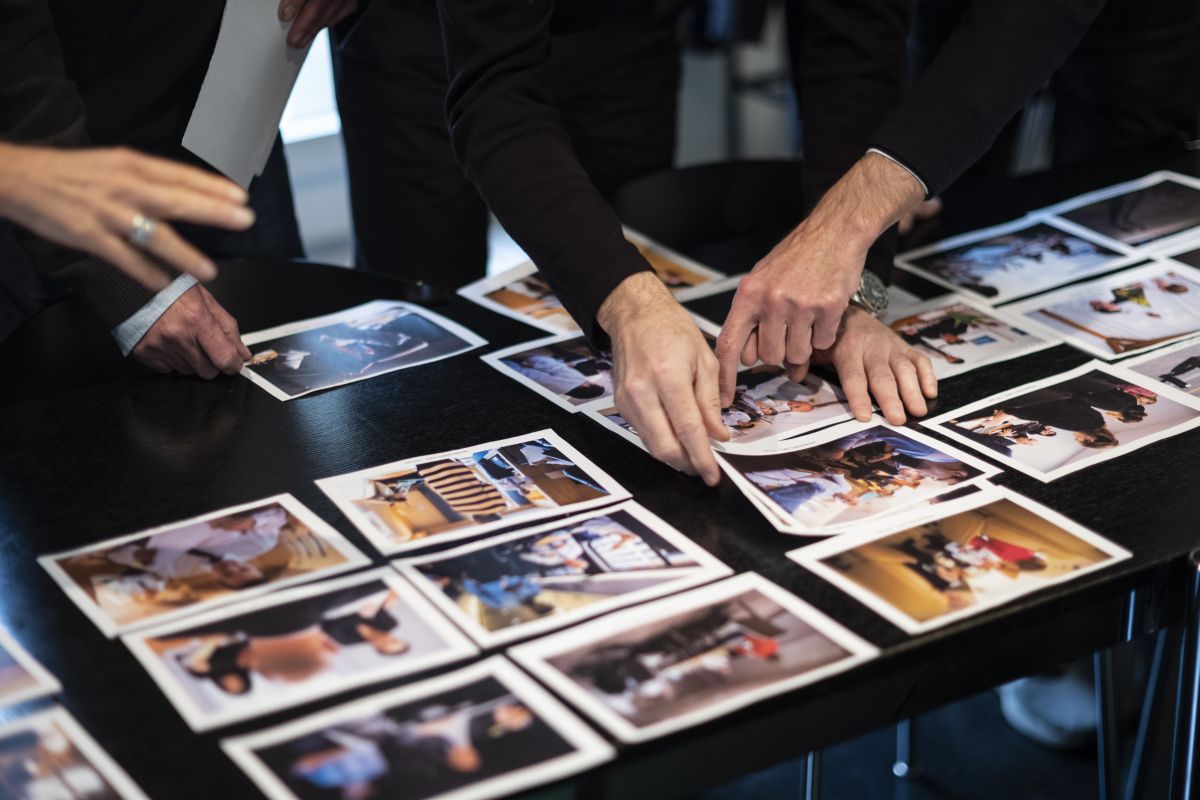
(902, 165)
(131, 331)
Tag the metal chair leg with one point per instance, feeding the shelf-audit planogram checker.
(1147, 719)
(812, 776)
(905, 766)
(1108, 754)
(1185, 780)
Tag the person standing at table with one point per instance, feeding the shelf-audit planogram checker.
(507, 135)
(127, 73)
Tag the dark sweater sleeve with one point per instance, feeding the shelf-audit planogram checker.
(1001, 52)
(40, 105)
(512, 146)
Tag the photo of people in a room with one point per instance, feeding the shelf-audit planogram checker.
(957, 336)
(1025, 259)
(467, 492)
(187, 567)
(1063, 424)
(569, 371)
(872, 471)
(939, 571)
(364, 342)
(1143, 215)
(296, 646)
(530, 296)
(767, 406)
(561, 572)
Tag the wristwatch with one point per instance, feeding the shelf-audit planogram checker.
(872, 295)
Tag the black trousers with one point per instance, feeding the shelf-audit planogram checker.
(416, 216)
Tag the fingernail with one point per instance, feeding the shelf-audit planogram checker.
(236, 193)
(288, 13)
(206, 270)
(243, 216)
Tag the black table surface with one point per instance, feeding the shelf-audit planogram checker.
(92, 447)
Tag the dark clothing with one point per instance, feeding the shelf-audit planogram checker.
(344, 629)
(612, 79)
(997, 57)
(1056, 408)
(122, 72)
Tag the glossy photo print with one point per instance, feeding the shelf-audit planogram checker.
(1020, 258)
(361, 342)
(677, 662)
(1177, 366)
(964, 558)
(1053, 427)
(294, 646)
(21, 676)
(482, 732)
(1124, 314)
(849, 475)
(166, 573)
(534, 580)
(448, 496)
(1153, 212)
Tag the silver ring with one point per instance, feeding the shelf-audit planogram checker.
(141, 230)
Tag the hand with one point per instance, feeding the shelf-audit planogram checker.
(308, 17)
(664, 374)
(872, 360)
(195, 336)
(792, 302)
(87, 199)
(926, 209)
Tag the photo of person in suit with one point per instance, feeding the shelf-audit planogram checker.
(957, 337)
(572, 370)
(1177, 366)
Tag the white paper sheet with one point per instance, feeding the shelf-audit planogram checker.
(249, 79)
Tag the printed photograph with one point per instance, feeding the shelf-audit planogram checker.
(1141, 212)
(566, 370)
(254, 658)
(958, 336)
(987, 550)
(166, 573)
(1009, 261)
(532, 581)
(849, 475)
(1057, 426)
(524, 294)
(1123, 314)
(358, 343)
(481, 732)
(48, 756)
(676, 662)
(676, 271)
(1177, 366)
(21, 676)
(448, 496)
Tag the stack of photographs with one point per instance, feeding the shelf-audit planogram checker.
(674, 663)
(444, 497)
(958, 335)
(484, 731)
(1053, 427)
(1123, 314)
(166, 573)
(1019, 258)
(48, 755)
(973, 554)
(22, 678)
(260, 656)
(767, 408)
(522, 293)
(363, 342)
(538, 579)
(567, 370)
(850, 475)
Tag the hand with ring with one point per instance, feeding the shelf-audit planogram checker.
(111, 203)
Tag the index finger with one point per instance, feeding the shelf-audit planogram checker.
(733, 338)
(164, 170)
(683, 412)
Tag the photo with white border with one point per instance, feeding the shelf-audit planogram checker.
(828, 491)
(56, 727)
(732, 644)
(318, 654)
(1177, 366)
(372, 339)
(1050, 428)
(545, 578)
(22, 678)
(979, 553)
(453, 495)
(349, 729)
(123, 585)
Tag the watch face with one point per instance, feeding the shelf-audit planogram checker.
(873, 293)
